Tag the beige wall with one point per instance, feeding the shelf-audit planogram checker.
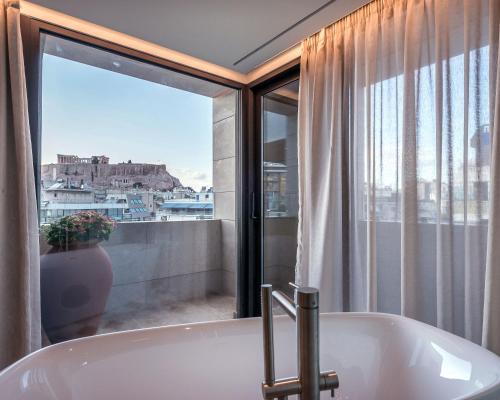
(224, 179)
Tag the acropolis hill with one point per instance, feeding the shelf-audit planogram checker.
(98, 173)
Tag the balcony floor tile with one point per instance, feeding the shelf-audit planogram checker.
(135, 316)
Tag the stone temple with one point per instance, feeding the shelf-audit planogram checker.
(98, 173)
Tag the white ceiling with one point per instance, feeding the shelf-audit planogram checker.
(219, 31)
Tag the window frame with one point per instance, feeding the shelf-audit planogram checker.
(247, 137)
(32, 30)
(251, 271)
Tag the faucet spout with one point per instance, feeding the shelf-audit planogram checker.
(305, 312)
(286, 303)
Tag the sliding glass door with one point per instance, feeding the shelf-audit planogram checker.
(279, 185)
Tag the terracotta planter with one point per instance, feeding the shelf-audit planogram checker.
(75, 285)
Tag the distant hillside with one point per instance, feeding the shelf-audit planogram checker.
(104, 176)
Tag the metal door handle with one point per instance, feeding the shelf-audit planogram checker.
(254, 212)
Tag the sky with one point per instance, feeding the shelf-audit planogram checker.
(92, 111)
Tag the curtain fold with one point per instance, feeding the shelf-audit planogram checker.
(397, 164)
(20, 331)
(491, 321)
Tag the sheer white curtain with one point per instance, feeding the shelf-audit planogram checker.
(20, 331)
(395, 156)
(491, 325)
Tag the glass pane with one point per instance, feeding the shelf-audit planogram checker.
(280, 185)
(130, 176)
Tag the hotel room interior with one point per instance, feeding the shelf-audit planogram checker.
(285, 199)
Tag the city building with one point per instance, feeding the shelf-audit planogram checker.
(180, 210)
(51, 212)
(61, 193)
(137, 210)
(275, 194)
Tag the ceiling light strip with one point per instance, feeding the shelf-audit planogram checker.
(45, 14)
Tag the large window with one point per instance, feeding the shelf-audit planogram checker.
(133, 193)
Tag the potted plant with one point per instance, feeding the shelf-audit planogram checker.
(76, 275)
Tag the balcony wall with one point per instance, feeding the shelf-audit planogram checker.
(161, 262)
(388, 257)
(157, 262)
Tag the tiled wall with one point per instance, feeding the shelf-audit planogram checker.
(158, 262)
(154, 262)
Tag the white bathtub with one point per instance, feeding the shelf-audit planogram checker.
(376, 356)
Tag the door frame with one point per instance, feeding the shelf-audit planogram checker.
(251, 200)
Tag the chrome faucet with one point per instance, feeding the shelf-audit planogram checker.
(305, 311)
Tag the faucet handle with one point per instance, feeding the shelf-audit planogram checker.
(329, 381)
(294, 285)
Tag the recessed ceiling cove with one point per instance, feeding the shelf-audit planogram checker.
(237, 34)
